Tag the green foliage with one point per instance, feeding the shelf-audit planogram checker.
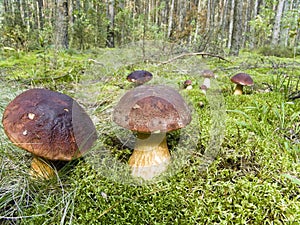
(262, 26)
(14, 37)
(278, 51)
(45, 67)
(89, 27)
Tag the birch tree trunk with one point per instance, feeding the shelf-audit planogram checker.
(170, 24)
(252, 30)
(110, 41)
(198, 20)
(277, 24)
(284, 37)
(231, 21)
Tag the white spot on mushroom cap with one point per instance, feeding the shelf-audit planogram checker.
(31, 116)
(136, 106)
(25, 132)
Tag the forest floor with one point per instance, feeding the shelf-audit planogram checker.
(238, 160)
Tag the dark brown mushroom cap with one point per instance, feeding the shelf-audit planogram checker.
(208, 74)
(147, 109)
(139, 76)
(242, 79)
(187, 83)
(49, 124)
(203, 87)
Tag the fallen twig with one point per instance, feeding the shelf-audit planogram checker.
(95, 61)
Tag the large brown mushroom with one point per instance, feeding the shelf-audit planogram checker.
(50, 125)
(151, 112)
(241, 80)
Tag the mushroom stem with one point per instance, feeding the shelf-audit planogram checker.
(151, 155)
(238, 89)
(206, 82)
(41, 169)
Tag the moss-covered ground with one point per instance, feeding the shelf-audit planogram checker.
(254, 178)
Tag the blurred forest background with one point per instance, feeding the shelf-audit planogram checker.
(218, 26)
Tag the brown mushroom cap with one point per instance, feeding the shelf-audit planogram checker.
(48, 124)
(187, 83)
(242, 79)
(147, 109)
(208, 74)
(203, 87)
(139, 76)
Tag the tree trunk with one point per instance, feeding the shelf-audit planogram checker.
(277, 24)
(40, 13)
(62, 21)
(198, 20)
(237, 28)
(231, 21)
(110, 41)
(284, 37)
(170, 24)
(252, 30)
(246, 22)
(223, 20)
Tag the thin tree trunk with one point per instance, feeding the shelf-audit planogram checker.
(18, 17)
(223, 20)
(62, 21)
(246, 22)
(237, 28)
(40, 14)
(110, 41)
(198, 20)
(231, 22)
(208, 16)
(170, 24)
(252, 30)
(277, 23)
(284, 38)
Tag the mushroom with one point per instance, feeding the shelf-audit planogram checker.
(241, 79)
(203, 88)
(139, 77)
(50, 125)
(207, 74)
(187, 85)
(151, 112)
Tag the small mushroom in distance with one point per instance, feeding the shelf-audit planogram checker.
(50, 125)
(203, 89)
(207, 74)
(151, 112)
(188, 85)
(241, 80)
(139, 77)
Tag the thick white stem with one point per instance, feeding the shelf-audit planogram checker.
(150, 157)
(206, 82)
(238, 90)
(41, 169)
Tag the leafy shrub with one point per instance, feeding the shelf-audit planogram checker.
(279, 51)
